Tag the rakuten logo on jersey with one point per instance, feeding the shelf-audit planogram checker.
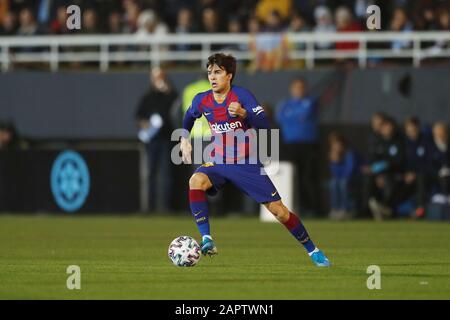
(226, 127)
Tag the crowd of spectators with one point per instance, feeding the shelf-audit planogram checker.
(402, 169)
(20, 17)
(267, 21)
(405, 170)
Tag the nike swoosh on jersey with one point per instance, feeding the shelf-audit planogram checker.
(273, 194)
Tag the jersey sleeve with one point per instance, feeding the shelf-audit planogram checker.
(192, 113)
(255, 112)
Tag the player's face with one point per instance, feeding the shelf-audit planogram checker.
(218, 78)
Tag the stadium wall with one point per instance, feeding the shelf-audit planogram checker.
(77, 107)
(101, 106)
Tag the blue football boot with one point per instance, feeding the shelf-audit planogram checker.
(320, 259)
(208, 247)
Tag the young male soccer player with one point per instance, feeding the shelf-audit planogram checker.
(230, 108)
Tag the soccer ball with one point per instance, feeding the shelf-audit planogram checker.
(184, 251)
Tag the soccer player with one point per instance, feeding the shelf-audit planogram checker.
(231, 108)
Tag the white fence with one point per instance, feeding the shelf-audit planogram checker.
(106, 49)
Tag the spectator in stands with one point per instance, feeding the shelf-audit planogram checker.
(298, 23)
(440, 159)
(115, 23)
(400, 22)
(149, 23)
(27, 23)
(426, 19)
(210, 21)
(155, 129)
(265, 8)
(235, 27)
(270, 46)
(388, 171)
(443, 24)
(132, 12)
(417, 149)
(443, 19)
(324, 23)
(184, 26)
(346, 23)
(297, 117)
(344, 168)
(254, 26)
(8, 24)
(59, 24)
(90, 22)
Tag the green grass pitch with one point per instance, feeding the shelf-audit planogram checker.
(126, 258)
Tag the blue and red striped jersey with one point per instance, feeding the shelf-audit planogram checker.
(222, 123)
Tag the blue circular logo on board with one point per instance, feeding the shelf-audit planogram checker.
(70, 181)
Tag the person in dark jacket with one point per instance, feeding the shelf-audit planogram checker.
(375, 141)
(417, 152)
(387, 169)
(374, 149)
(439, 161)
(155, 128)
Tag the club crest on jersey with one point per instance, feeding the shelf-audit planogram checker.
(226, 127)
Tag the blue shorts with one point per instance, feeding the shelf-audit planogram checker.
(246, 177)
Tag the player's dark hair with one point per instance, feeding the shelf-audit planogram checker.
(223, 61)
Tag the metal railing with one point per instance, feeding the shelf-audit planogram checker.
(107, 49)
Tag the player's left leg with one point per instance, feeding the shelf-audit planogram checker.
(298, 230)
(250, 179)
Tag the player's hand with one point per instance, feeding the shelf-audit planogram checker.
(186, 151)
(236, 109)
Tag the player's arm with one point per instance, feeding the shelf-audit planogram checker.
(249, 108)
(190, 116)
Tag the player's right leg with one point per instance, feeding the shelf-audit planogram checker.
(199, 183)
